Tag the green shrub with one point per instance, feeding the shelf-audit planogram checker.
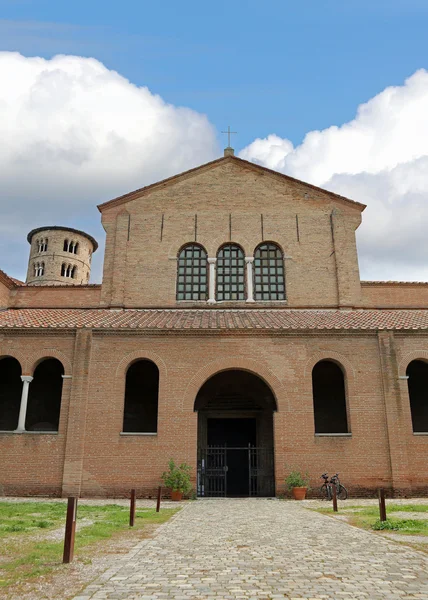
(297, 479)
(177, 478)
(382, 525)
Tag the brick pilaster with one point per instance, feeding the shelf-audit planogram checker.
(119, 264)
(345, 256)
(76, 424)
(394, 412)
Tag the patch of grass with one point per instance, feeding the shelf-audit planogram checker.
(367, 517)
(26, 555)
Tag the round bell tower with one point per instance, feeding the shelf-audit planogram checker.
(59, 256)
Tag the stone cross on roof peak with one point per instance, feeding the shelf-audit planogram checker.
(229, 151)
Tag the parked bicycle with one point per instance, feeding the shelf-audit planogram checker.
(327, 487)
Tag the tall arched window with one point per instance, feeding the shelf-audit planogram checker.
(328, 385)
(141, 398)
(10, 393)
(192, 273)
(269, 278)
(230, 273)
(417, 372)
(44, 397)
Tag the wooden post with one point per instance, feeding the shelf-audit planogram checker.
(70, 530)
(132, 509)
(159, 498)
(334, 490)
(382, 505)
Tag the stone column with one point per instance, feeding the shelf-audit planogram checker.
(26, 380)
(249, 262)
(211, 279)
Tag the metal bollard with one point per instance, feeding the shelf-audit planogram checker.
(382, 505)
(132, 509)
(159, 498)
(70, 530)
(334, 491)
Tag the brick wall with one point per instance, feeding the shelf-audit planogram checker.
(231, 202)
(4, 295)
(394, 294)
(56, 297)
(91, 457)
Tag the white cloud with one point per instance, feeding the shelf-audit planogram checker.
(74, 133)
(381, 159)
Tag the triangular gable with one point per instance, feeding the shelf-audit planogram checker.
(10, 282)
(210, 165)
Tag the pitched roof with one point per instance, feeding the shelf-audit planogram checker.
(148, 188)
(9, 282)
(214, 319)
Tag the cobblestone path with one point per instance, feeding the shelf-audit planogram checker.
(262, 549)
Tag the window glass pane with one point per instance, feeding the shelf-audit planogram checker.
(192, 272)
(268, 272)
(230, 273)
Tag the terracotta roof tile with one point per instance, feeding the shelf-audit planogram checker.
(215, 319)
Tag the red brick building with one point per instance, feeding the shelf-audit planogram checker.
(231, 331)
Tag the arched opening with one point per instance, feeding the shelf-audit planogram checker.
(230, 273)
(328, 385)
(269, 277)
(44, 397)
(417, 372)
(192, 273)
(141, 398)
(235, 435)
(10, 393)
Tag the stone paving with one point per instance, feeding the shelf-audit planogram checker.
(259, 549)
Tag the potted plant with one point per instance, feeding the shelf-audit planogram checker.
(298, 483)
(177, 478)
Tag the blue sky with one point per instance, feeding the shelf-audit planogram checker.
(289, 77)
(273, 66)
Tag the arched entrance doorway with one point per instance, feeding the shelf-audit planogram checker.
(235, 435)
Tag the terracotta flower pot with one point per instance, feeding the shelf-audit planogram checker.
(299, 493)
(176, 496)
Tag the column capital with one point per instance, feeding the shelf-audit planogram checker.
(26, 378)
(212, 261)
(249, 259)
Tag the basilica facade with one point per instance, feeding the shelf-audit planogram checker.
(231, 331)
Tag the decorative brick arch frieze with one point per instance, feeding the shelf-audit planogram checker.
(343, 361)
(408, 358)
(214, 245)
(120, 377)
(130, 358)
(6, 353)
(126, 362)
(45, 353)
(232, 363)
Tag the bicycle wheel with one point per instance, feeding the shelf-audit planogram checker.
(325, 491)
(342, 492)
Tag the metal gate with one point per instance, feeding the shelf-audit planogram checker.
(213, 470)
